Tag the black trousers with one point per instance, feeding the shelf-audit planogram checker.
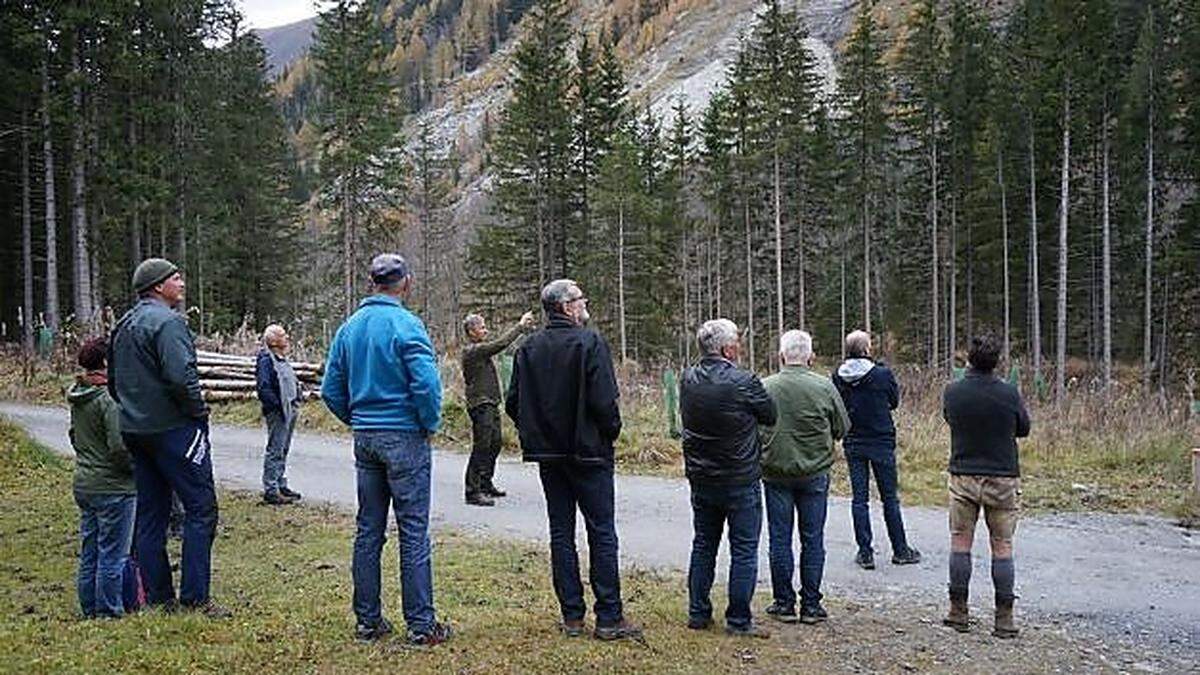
(485, 447)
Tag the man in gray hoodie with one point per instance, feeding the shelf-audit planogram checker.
(870, 393)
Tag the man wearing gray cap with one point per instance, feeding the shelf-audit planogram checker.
(164, 422)
(381, 379)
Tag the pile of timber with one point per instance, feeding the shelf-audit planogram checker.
(228, 377)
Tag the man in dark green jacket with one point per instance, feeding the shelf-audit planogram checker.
(799, 449)
(103, 487)
(483, 403)
(164, 422)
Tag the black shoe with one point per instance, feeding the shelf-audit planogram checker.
(752, 631)
(493, 491)
(208, 608)
(700, 624)
(782, 613)
(480, 499)
(440, 633)
(814, 614)
(911, 556)
(624, 630)
(372, 632)
(290, 493)
(865, 559)
(276, 498)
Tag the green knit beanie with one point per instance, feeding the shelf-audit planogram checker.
(152, 272)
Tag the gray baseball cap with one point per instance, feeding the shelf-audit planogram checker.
(387, 268)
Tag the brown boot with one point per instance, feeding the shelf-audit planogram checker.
(1005, 626)
(958, 616)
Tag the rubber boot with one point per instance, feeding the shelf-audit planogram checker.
(958, 616)
(1005, 626)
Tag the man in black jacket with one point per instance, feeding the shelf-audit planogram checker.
(870, 393)
(986, 416)
(722, 407)
(563, 400)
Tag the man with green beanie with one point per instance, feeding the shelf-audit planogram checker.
(164, 421)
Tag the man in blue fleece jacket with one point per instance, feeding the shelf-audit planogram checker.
(381, 378)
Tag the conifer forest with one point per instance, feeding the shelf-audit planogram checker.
(1026, 168)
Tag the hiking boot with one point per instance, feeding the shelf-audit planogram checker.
(1005, 626)
(751, 631)
(493, 491)
(290, 494)
(958, 617)
(572, 628)
(910, 556)
(814, 614)
(623, 630)
(865, 559)
(209, 609)
(700, 624)
(782, 613)
(371, 632)
(480, 499)
(439, 633)
(276, 498)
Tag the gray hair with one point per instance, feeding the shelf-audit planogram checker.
(557, 292)
(795, 347)
(858, 344)
(471, 321)
(715, 335)
(271, 333)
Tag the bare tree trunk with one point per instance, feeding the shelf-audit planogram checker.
(1147, 367)
(1035, 310)
(1004, 244)
(749, 280)
(621, 279)
(683, 272)
(347, 253)
(51, 217)
(866, 266)
(1106, 261)
(778, 249)
(1060, 353)
(82, 287)
(26, 239)
(135, 225)
(842, 295)
(952, 297)
(934, 305)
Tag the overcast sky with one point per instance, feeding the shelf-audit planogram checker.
(268, 13)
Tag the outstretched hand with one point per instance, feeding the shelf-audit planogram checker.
(528, 320)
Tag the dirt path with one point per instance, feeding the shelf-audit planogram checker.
(1135, 580)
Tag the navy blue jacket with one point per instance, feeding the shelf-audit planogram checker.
(267, 381)
(870, 393)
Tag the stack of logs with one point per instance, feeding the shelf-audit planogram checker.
(226, 377)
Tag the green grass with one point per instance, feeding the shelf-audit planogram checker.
(285, 574)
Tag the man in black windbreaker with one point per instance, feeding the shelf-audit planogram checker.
(563, 400)
(722, 407)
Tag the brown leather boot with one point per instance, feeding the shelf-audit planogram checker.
(957, 618)
(1005, 626)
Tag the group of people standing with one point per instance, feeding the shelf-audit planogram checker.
(742, 439)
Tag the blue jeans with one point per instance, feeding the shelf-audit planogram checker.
(279, 441)
(106, 534)
(808, 497)
(589, 489)
(393, 470)
(177, 460)
(712, 507)
(881, 462)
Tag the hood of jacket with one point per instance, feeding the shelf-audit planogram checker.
(82, 392)
(855, 371)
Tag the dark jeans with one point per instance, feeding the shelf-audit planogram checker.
(569, 486)
(712, 507)
(485, 447)
(279, 441)
(881, 462)
(178, 460)
(808, 498)
(393, 470)
(105, 534)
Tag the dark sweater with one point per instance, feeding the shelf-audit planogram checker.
(870, 393)
(986, 416)
(479, 372)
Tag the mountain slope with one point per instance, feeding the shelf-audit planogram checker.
(285, 44)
